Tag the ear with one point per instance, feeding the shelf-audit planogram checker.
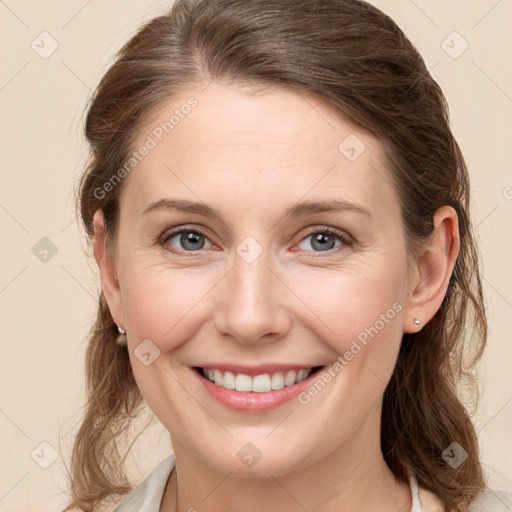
(430, 272)
(108, 271)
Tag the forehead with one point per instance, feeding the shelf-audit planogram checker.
(258, 148)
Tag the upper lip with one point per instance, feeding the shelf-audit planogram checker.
(255, 369)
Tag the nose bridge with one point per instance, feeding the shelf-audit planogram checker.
(252, 305)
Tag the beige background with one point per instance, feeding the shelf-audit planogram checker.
(47, 306)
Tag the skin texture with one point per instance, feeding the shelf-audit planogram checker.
(251, 154)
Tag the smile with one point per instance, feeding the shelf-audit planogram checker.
(258, 392)
(258, 383)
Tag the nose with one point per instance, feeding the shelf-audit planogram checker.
(253, 303)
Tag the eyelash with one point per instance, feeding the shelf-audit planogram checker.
(326, 230)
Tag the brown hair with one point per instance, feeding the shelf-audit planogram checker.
(355, 59)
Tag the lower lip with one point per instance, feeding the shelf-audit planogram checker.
(252, 401)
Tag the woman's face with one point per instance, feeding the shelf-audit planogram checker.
(261, 289)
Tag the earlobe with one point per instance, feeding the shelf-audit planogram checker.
(107, 268)
(433, 270)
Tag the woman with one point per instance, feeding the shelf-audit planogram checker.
(280, 215)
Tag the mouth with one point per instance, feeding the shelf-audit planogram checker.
(258, 392)
(260, 383)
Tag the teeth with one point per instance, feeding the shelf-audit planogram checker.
(242, 382)
(258, 383)
(290, 378)
(302, 374)
(229, 381)
(261, 383)
(217, 377)
(277, 380)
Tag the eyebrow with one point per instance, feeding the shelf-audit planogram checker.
(296, 210)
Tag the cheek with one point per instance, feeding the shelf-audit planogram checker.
(160, 302)
(359, 315)
(360, 318)
(161, 305)
(355, 305)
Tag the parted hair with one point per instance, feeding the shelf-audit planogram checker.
(355, 59)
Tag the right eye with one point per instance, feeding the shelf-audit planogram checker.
(191, 240)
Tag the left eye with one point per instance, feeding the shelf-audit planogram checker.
(325, 240)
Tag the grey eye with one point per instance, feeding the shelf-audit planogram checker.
(188, 239)
(321, 241)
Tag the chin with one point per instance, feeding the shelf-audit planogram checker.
(248, 461)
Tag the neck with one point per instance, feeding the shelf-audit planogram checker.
(351, 478)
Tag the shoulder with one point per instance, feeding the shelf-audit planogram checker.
(148, 494)
(489, 501)
(492, 501)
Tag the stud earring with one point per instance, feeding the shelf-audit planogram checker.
(416, 321)
(121, 339)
